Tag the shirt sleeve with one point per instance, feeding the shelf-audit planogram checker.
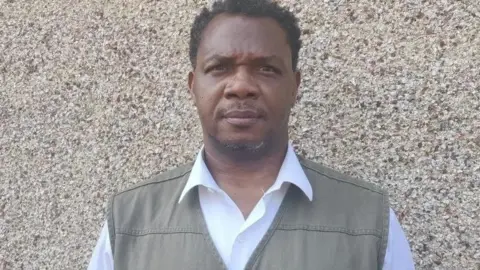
(398, 255)
(102, 258)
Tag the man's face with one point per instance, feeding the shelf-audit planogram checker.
(243, 84)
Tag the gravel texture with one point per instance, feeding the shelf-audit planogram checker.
(93, 98)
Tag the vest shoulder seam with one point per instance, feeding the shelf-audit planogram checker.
(356, 182)
(159, 179)
(312, 228)
(319, 228)
(142, 232)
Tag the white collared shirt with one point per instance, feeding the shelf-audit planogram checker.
(236, 237)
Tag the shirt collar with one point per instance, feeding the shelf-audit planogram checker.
(290, 172)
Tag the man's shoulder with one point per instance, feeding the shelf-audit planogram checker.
(138, 206)
(319, 170)
(166, 178)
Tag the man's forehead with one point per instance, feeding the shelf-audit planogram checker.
(233, 36)
(213, 55)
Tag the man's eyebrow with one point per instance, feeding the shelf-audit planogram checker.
(219, 57)
(268, 58)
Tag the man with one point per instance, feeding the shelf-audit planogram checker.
(248, 201)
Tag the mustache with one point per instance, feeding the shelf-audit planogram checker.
(241, 106)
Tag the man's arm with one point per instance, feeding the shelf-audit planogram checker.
(102, 258)
(398, 255)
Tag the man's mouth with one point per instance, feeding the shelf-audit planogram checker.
(242, 118)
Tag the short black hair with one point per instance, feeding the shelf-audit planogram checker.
(250, 8)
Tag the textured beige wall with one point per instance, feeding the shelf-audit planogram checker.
(93, 98)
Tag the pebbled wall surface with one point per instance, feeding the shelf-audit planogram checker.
(93, 98)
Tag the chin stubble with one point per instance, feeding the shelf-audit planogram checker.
(242, 151)
(247, 147)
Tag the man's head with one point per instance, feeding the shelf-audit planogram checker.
(244, 81)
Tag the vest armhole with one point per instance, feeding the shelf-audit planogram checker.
(385, 230)
(111, 224)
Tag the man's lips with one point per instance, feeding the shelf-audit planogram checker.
(241, 118)
(241, 114)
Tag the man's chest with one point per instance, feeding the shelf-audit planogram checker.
(235, 237)
(201, 233)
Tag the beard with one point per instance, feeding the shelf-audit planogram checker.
(244, 151)
(247, 151)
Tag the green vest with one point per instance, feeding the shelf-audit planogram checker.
(344, 227)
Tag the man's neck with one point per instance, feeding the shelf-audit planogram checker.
(245, 182)
(257, 173)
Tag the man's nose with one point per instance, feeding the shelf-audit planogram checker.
(242, 85)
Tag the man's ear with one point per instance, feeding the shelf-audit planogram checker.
(191, 76)
(298, 80)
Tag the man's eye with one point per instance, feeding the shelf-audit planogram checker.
(217, 68)
(268, 69)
